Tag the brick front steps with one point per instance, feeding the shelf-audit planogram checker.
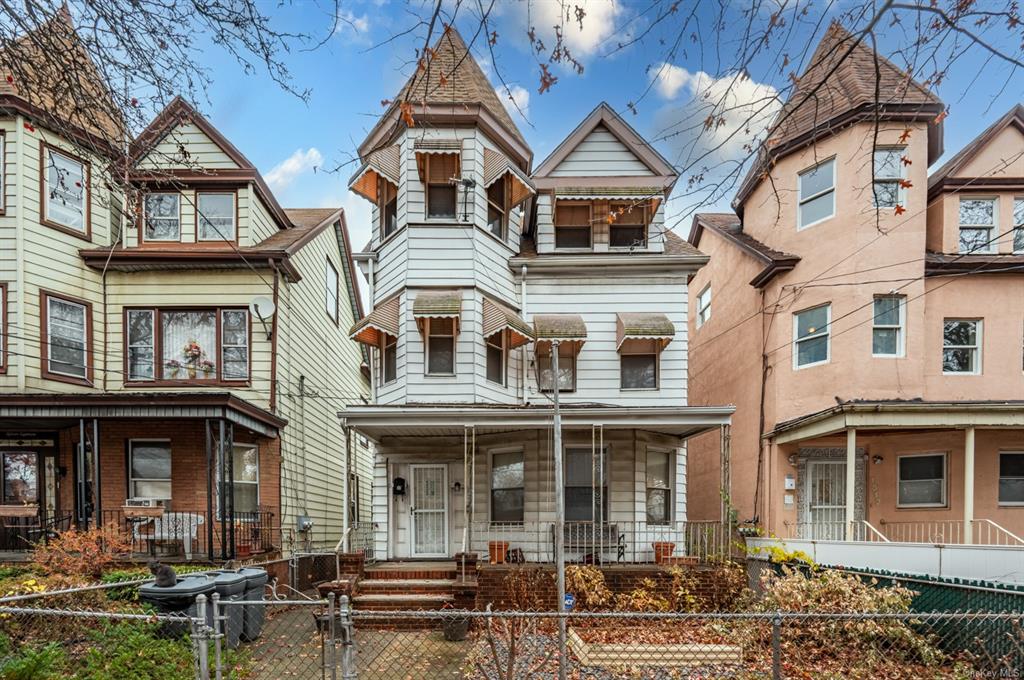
(412, 586)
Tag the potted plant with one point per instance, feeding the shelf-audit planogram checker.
(662, 551)
(207, 367)
(243, 544)
(173, 368)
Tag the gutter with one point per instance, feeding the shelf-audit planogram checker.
(556, 263)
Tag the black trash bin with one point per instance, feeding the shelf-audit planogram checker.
(179, 599)
(255, 585)
(230, 586)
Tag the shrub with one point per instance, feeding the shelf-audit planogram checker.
(81, 554)
(642, 599)
(34, 662)
(13, 571)
(525, 586)
(718, 587)
(586, 583)
(128, 651)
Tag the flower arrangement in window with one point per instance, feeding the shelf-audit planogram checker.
(195, 360)
(173, 368)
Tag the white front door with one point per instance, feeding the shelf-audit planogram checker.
(429, 508)
(826, 500)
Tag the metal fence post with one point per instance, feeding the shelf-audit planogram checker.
(293, 572)
(777, 646)
(219, 627)
(199, 640)
(330, 650)
(348, 641)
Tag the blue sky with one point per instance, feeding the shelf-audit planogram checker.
(348, 77)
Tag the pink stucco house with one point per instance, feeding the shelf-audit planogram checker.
(866, 319)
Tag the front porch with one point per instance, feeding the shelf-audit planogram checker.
(181, 477)
(481, 480)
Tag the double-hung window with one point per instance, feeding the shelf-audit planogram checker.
(440, 346)
(507, 486)
(811, 336)
(629, 228)
(331, 290)
(961, 346)
(572, 224)
(566, 368)
(149, 469)
(190, 345)
(888, 330)
(496, 358)
(388, 359)
(704, 306)
(245, 482)
(922, 481)
(638, 365)
(65, 191)
(388, 208)
(659, 486)
(162, 217)
(216, 216)
(1018, 225)
(1011, 478)
(21, 477)
(977, 225)
(586, 483)
(67, 342)
(497, 209)
(887, 188)
(817, 194)
(442, 172)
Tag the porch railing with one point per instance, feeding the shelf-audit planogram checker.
(610, 542)
(936, 532)
(21, 533)
(186, 534)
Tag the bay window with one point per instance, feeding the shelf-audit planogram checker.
(441, 171)
(388, 208)
(65, 186)
(389, 359)
(817, 194)
(922, 481)
(977, 225)
(440, 337)
(961, 346)
(162, 217)
(67, 342)
(566, 368)
(215, 216)
(496, 358)
(572, 224)
(659, 487)
(188, 345)
(149, 469)
(507, 486)
(629, 230)
(497, 210)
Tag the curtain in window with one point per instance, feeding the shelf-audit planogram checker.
(151, 470)
(189, 345)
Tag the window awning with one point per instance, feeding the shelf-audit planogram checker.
(498, 317)
(496, 166)
(381, 164)
(565, 328)
(643, 326)
(443, 172)
(634, 194)
(438, 304)
(381, 321)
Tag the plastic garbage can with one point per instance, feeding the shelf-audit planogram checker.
(179, 599)
(230, 586)
(255, 586)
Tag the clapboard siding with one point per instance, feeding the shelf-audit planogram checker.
(600, 154)
(545, 237)
(186, 146)
(598, 301)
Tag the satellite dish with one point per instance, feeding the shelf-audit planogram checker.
(263, 309)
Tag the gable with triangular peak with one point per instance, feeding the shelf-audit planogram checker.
(601, 153)
(997, 157)
(185, 146)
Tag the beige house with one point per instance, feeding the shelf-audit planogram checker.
(172, 347)
(866, 320)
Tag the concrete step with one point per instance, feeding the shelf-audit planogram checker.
(399, 586)
(402, 602)
(410, 573)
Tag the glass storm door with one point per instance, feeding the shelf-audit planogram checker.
(826, 501)
(429, 511)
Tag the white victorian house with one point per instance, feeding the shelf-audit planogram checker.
(478, 269)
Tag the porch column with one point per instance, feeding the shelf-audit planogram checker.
(851, 480)
(347, 477)
(969, 485)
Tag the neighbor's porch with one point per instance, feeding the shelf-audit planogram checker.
(624, 483)
(180, 478)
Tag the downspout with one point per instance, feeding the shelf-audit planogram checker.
(373, 350)
(19, 240)
(525, 357)
(273, 342)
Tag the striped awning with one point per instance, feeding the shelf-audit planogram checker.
(496, 166)
(381, 321)
(634, 195)
(643, 326)
(565, 328)
(446, 166)
(498, 317)
(381, 164)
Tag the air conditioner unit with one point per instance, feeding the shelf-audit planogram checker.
(144, 502)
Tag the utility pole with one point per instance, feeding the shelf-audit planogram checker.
(559, 514)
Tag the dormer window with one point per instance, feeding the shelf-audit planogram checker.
(441, 172)
(497, 212)
(573, 224)
(629, 228)
(162, 217)
(215, 216)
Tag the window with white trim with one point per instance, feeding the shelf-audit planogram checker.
(440, 342)
(442, 171)
(388, 359)
(586, 472)
(922, 481)
(1018, 225)
(977, 225)
(388, 208)
(496, 357)
(1011, 477)
(497, 210)
(659, 486)
(184, 345)
(67, 340)
(961, 346)
(216, 216)
(234, 344)
(149, 469)
(162, 217)
(245, 482)
(331, 290)
(629, 228)
(353, 498)
(572, 224)
(704, 306)
(817, 194)
(141, 351)
(889, 169)
(638, 365)
(566, 367)
(508, 481)
(811, 336)
(888, 329)
(65, 193)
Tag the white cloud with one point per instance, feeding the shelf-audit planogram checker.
(601, 21)
(669, 79)
(284, 173)
(516, 99)
(355, 28)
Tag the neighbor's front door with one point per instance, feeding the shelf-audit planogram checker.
(429, 507)
(826, 501)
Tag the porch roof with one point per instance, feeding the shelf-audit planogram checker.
(127, 405)
(412, 420)
(900, 414)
